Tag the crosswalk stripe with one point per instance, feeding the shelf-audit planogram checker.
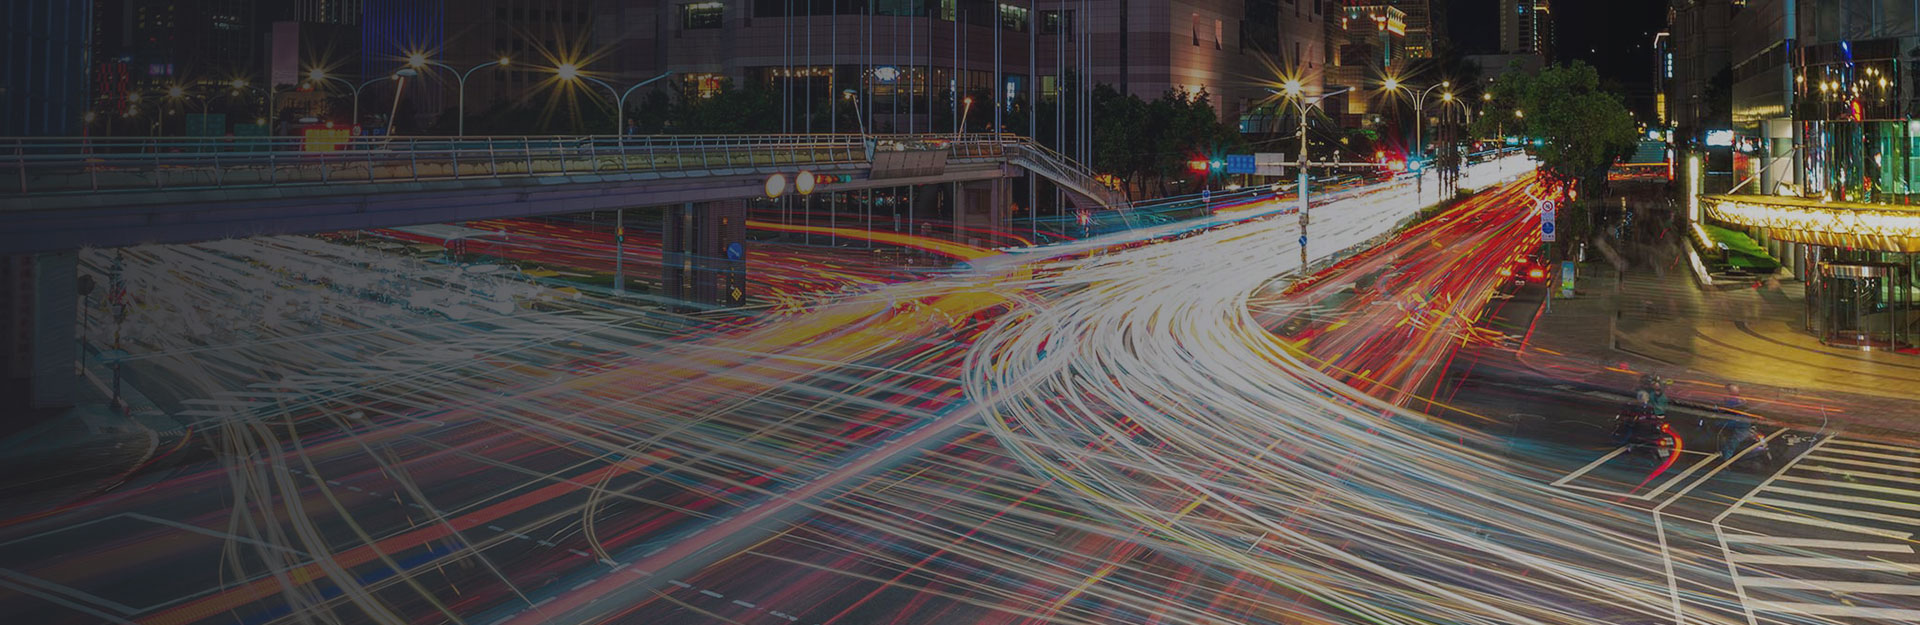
(1869, 454)
(1865, 474)
(1851, 485)
(1784, 583)
(1851, 443)
(1884, 503)
(1820, 609)
(1820, 562)
(1864, 463)
(1787, 541)
(1859, 514)
(1822, 523)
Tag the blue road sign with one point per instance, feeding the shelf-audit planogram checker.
(1303, 240)
(736, 251)
(1241, 164)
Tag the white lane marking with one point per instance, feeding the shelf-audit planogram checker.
(742, 603)
(69, 604)
(1850, 485)
(1784, 583)
(583, 584)
(1884, 503)
(1823, 523)
(1859, 514)
(1817, 543)
(1590, 466)
(1818, 609)
(1871, 454)
(713, 594)
(1864, 463)
(679, 583)
(1875, 446)
(1863, 474)
(1818, 562)
(580, 553)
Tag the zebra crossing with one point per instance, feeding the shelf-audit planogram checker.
(1829, 537)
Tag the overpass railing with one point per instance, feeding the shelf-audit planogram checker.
(66, 165)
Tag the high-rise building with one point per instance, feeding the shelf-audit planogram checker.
(1426, 26)
(43, 72)
(1526, 27)
(911, 52)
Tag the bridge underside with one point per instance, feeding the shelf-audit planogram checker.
(65, 222)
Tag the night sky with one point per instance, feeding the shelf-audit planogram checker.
(1615, 36)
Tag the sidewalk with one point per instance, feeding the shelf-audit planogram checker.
(1620, 327)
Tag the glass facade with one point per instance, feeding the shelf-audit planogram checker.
(1864, 299)
(1871, 161)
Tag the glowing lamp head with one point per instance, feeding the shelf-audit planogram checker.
(967, 100)
(238, 83)
(175, 91)
(416, 60)
(316, 75)
(133, 97)
(1292, 88)
(1392, 84)
(1446, 97)
(1488, 97)
(504, 61)
(90, 116)
(569, 71)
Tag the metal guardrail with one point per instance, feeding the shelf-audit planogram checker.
(73, 165)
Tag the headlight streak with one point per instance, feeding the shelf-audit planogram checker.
(1161, 338)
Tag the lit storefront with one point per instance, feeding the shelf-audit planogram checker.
(1859, 262)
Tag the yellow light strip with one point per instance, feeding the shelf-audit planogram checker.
(1882, 227)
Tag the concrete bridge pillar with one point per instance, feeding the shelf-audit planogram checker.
(981, 205)
(38, 320)
(703, 260)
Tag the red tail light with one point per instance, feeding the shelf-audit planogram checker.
(1536, 273)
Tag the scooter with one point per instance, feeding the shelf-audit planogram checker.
(1640, 428)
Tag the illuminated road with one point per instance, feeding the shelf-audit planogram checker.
(1096, 433)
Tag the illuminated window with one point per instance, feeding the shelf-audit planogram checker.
(1056, 22)
(1014, 18)
(701, 15)
(704, 85)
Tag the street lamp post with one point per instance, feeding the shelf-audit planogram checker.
(420, 62)
(317, 75)
(570, 72)
(1420, 109)
(1296, 92)
(962, 123)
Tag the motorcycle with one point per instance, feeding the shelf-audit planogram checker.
(1639, 427)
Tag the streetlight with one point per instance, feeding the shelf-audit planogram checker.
(1420, 108)
(316, 75)
(967, 108)
(852, 96)
(1296, 92)
(569, 72)
(419, 62)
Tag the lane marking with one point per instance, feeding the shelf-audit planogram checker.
(1864, 463)
(1816, 609)
(1590, 466)
(1784, 583)
(1818, 562)
(68, 604)
(1884, 503)
(1825, 524)
(1868, 445)
(1858, 514)
(1852, 485)
(1849, 545)
(1863, 474)
(1872, 454)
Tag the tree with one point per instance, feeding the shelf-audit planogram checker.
(1580, 129)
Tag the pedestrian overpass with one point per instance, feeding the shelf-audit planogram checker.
(66, 193)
